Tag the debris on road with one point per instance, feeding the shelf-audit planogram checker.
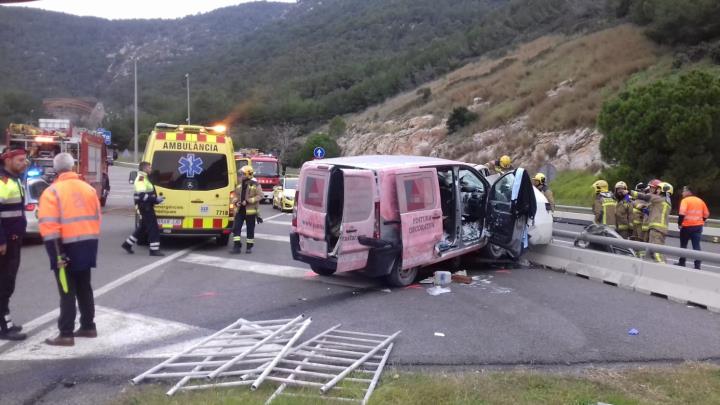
(429, 280)
(633, 332)
(439, 334)
(437, 290)
(458, 278)
(250, 353)
(442, 278)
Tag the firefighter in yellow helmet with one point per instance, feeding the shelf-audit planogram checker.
(246, 200)
(623, 210)
(540, 182)
(604, 206)
(659, 213)
(501, 166)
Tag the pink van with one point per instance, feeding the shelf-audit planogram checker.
(390, 215)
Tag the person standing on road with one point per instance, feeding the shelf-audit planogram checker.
(246, 200)
(691, 219)
(659, 206)
(12, 230)
(623, 210)
(540, 182)
(640, 211)
(69, 218)
(145, 199)
(604, 206)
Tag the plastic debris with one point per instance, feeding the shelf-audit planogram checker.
(442, 278)
(437, 290)
(428, 280)
(459, 278)
(439, 334)
(461, 272)
(386, 290)
(633, 332)
(471, 231)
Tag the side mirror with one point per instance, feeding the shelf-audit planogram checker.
(133, 176)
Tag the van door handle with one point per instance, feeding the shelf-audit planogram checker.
(351, 230)
(437, 216)
(197, 201)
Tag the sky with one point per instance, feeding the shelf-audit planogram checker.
(124, 9)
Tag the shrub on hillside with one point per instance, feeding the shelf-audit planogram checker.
(459, 118)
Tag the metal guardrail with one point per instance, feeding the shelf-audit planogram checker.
(587, 210)
(631, 244)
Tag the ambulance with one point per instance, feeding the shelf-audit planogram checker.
(193, 167)
(389, 216)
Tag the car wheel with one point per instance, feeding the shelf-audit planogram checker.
(322, 271)
(399, 277)
(493, 252)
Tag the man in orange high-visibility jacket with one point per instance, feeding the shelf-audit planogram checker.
(69, 218)
(691, 218)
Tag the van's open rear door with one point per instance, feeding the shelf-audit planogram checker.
(312, 211)
(511, 204)
(418, 194)
(360, 195)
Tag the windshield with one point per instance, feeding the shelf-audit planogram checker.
(189, 171)
(265, 168)
(291, 184)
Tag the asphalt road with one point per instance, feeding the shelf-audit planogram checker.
(148, 308)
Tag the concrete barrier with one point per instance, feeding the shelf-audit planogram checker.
(676, 283)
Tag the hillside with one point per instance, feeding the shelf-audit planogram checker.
(267, 63)
(538, 103)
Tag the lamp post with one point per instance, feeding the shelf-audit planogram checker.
(187, 84)
(135, 156)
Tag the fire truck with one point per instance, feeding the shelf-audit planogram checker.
(54, 136)
(266, 166)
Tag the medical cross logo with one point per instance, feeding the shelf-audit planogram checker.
(190, 166)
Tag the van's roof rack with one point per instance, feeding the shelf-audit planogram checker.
(163, 125)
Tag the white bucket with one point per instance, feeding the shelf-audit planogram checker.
(442, 278)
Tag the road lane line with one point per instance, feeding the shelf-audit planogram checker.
(278, 222)
(248, 266)
(274, 216)
(43, 319)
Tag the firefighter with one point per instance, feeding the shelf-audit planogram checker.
(540, 182)
(623, 210)
(604, 206)
(69, 219)
(659, 207)
(639, 215)
(12, 230)
(501, 166)
(146, 198)
(247, 198)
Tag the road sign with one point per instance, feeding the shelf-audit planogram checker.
(319, 152)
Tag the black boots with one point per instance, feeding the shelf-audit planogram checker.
(248, 250)
(156, 253)
(128, 247)
(237, 248)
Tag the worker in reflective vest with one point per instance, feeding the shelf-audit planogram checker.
(691, 219)
(12, 230)
(604, 206)
(145, 199)
(623, 210)
(246, 200)
(69, 218)
(659, 206)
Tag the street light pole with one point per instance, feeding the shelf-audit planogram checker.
(135, 157)
(187, 78)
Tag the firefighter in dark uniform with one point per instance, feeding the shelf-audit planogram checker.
(247, 199)
(12, 230)
(145, 198)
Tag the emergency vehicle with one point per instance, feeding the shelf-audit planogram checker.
(266, 167)
(193, 167)
(56, 136)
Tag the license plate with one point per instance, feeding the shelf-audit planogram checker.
(170, 221)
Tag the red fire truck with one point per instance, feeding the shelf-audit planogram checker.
(266, 166)
(56, 136)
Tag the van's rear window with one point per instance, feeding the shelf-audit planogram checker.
(189, 170)
(314, 192)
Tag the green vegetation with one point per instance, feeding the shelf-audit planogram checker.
(573, 187)
(306, 151)
(460, 117)
(682, 385)
(669, 129)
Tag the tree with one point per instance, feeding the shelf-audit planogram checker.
(19, 108)
(669, 129)
(459, 118)
(283, 137)
(337, 127)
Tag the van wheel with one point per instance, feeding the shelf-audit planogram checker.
(493, 252)
(222, 240)
(399, 277)
(322, 271)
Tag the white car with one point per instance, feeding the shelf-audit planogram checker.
(34, 188)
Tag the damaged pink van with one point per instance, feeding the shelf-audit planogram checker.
(390, 215)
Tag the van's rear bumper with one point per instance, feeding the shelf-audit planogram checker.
(195, 232)
(380, 258)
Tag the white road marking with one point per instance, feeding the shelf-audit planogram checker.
(43, 319)
(121, 334)
(274, 216)
(278, 222)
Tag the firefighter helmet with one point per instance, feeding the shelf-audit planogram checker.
(247, 171)
(600, 186)
(654, 183)
(621, 184)
(666, 188)
(540, 178)
(505, 161)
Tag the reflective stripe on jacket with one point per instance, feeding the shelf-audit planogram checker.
(253, 194)
(694, 210)
(623, 214)
(604, 209)
(12, 207)
(145, 195)
(659, 207)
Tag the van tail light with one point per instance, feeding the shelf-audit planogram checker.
(30, 207)
(231, 206)
(376, 231)
(295, 208)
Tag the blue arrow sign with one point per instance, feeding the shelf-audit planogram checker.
(190, 165)
(319, 152)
